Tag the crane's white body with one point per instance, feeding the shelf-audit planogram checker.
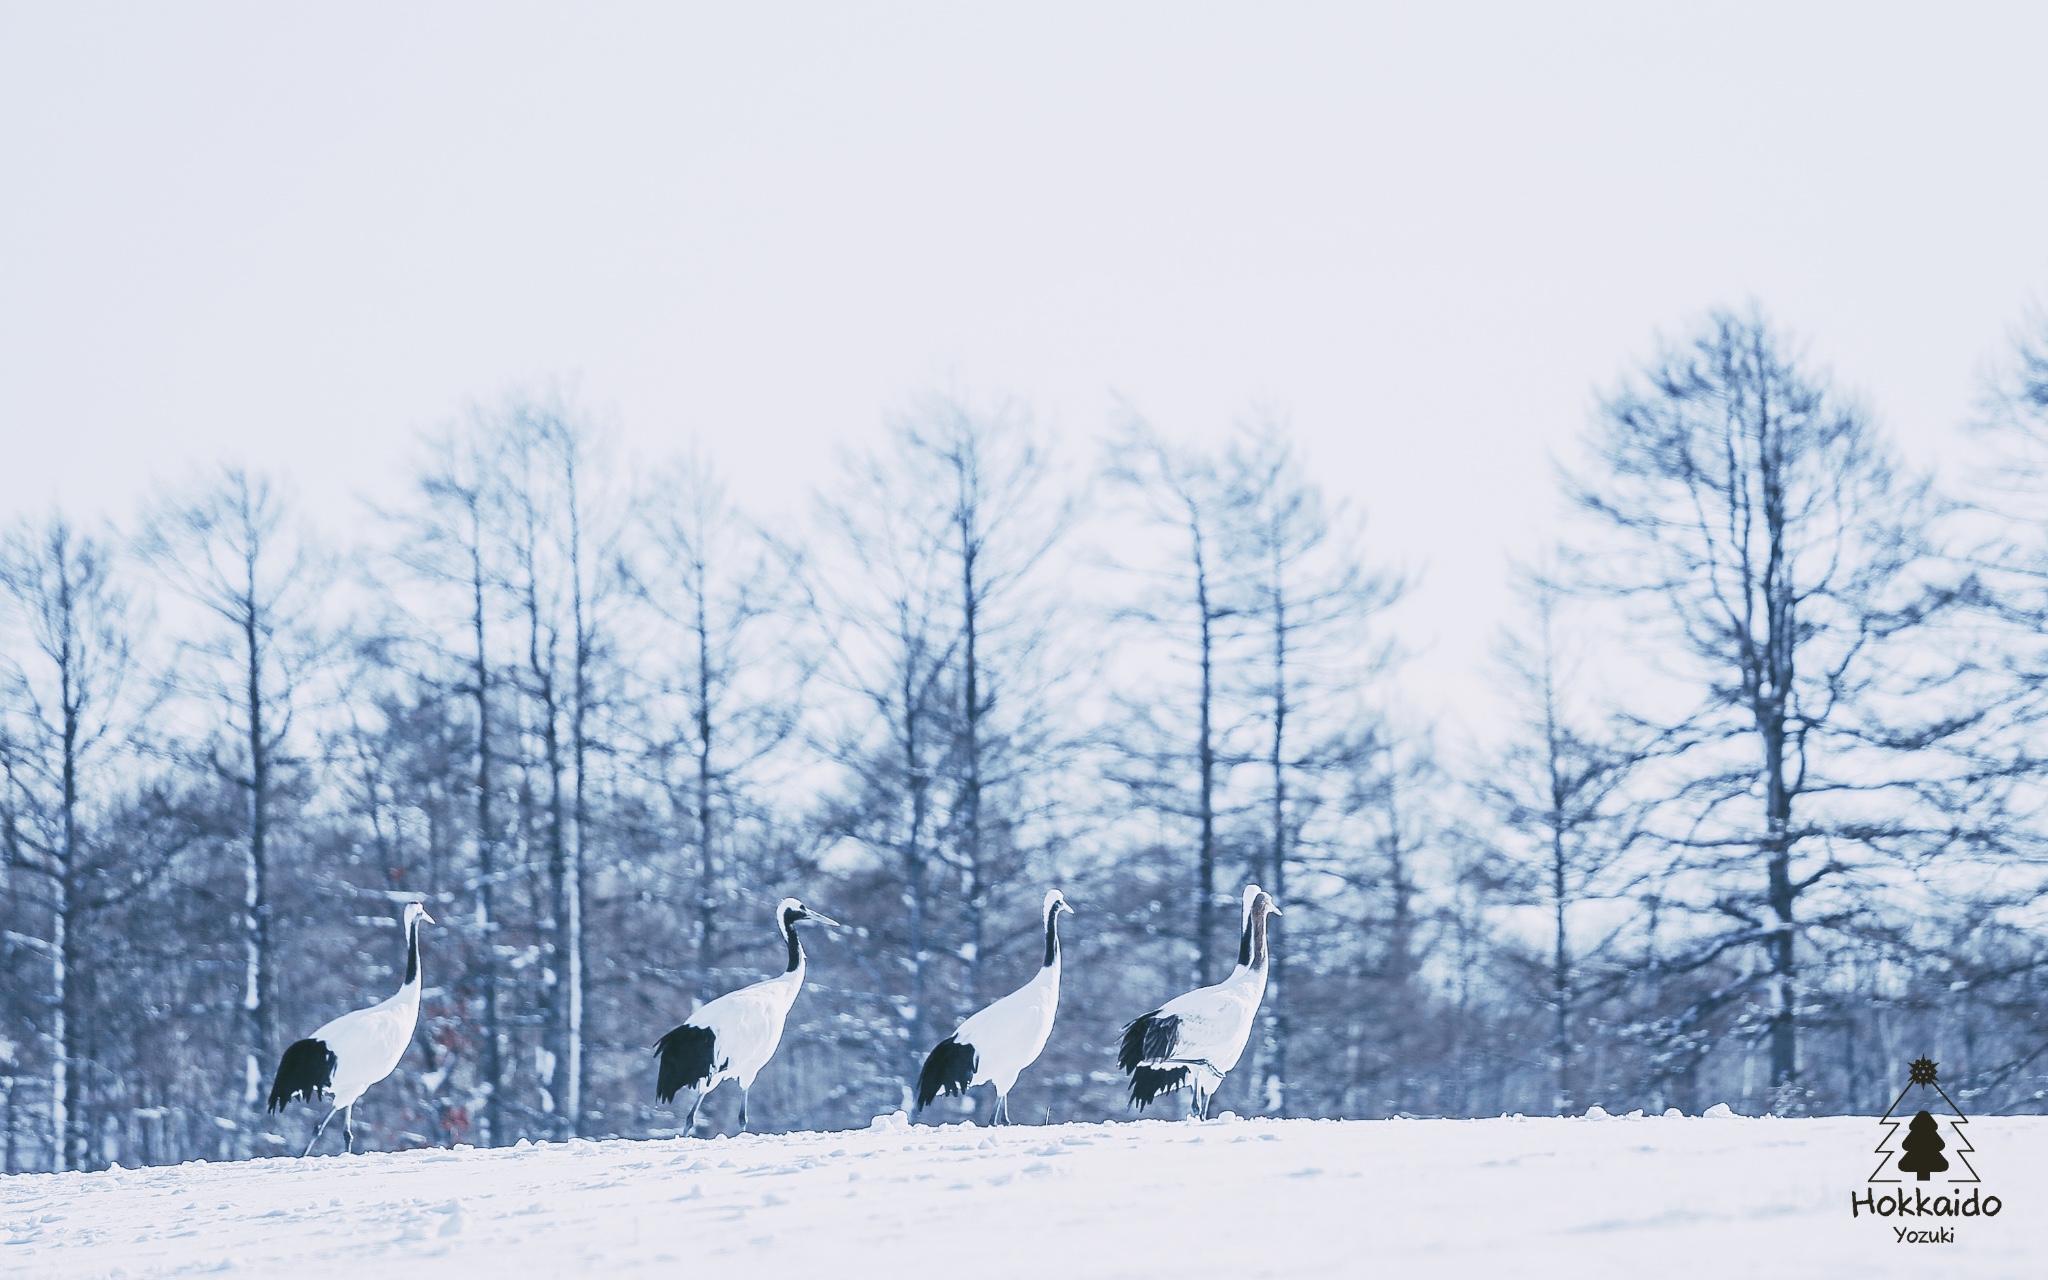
(369, 1043)
(1009, 1035)
(1215, 1023)
(747, 1025)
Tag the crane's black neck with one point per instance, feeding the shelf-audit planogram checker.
(796, 948)
(1257, 933)
(1244, 945)
(412, 952)
(1052, 937)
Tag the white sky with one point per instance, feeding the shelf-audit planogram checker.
(297, 236)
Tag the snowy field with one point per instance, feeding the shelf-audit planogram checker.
(1668, 1197)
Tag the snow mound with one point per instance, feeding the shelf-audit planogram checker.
(1530, 1197)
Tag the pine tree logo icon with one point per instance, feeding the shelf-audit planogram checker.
(1924, 1152)
(1923, 1146)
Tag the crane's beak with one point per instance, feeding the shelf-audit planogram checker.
(1064, 907)
(812, 915)
(1275, 910)
(424, 916)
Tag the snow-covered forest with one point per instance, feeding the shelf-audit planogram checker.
(1759, 821)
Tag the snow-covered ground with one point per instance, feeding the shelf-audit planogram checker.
(1663, 1197)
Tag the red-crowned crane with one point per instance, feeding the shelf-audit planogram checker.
(732, 1037)
(1192, 1041)
(995, 1045)
(356, 1050)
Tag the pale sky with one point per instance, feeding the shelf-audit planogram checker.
(297, 235)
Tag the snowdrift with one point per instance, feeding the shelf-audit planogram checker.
(1670, 1197)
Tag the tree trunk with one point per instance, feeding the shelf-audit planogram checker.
(580, 814)
(1780, 642)
(1561, 987)
(1205, 868)
(914, 867)
(1276, 986)
(558, 932)
(487, 855)
(555, 1036)
(66, 1104)
(256, 1004)
(1560, 865)
(707, 863)
(970, 789)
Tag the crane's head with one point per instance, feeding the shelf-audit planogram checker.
(790, 913)
(1056, 901)
(416, 911)
(1260, 903)
(1252, 893)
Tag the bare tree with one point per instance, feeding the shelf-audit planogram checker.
(228, 547)
(950, 745)
(894, 654)
(559, 569)
(451, 543)
(1191, 611)
(2009, 489)
(2007, 558)
(1760, 526)
(1000, 521)
(1313, 602)
(1559, 791)
(59, 701)
(728, 660)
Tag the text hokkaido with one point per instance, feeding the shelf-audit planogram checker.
(1922, 1205)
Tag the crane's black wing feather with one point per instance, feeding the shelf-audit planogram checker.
(305, 1071)
(948, 1070)
(1147, 1083)
(1150, 1038)
(686, 1055)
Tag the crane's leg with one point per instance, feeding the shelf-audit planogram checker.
(743, 1109)
(1003, 1107)
(348, 1127)
(690, 1125)
(316, 1134)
